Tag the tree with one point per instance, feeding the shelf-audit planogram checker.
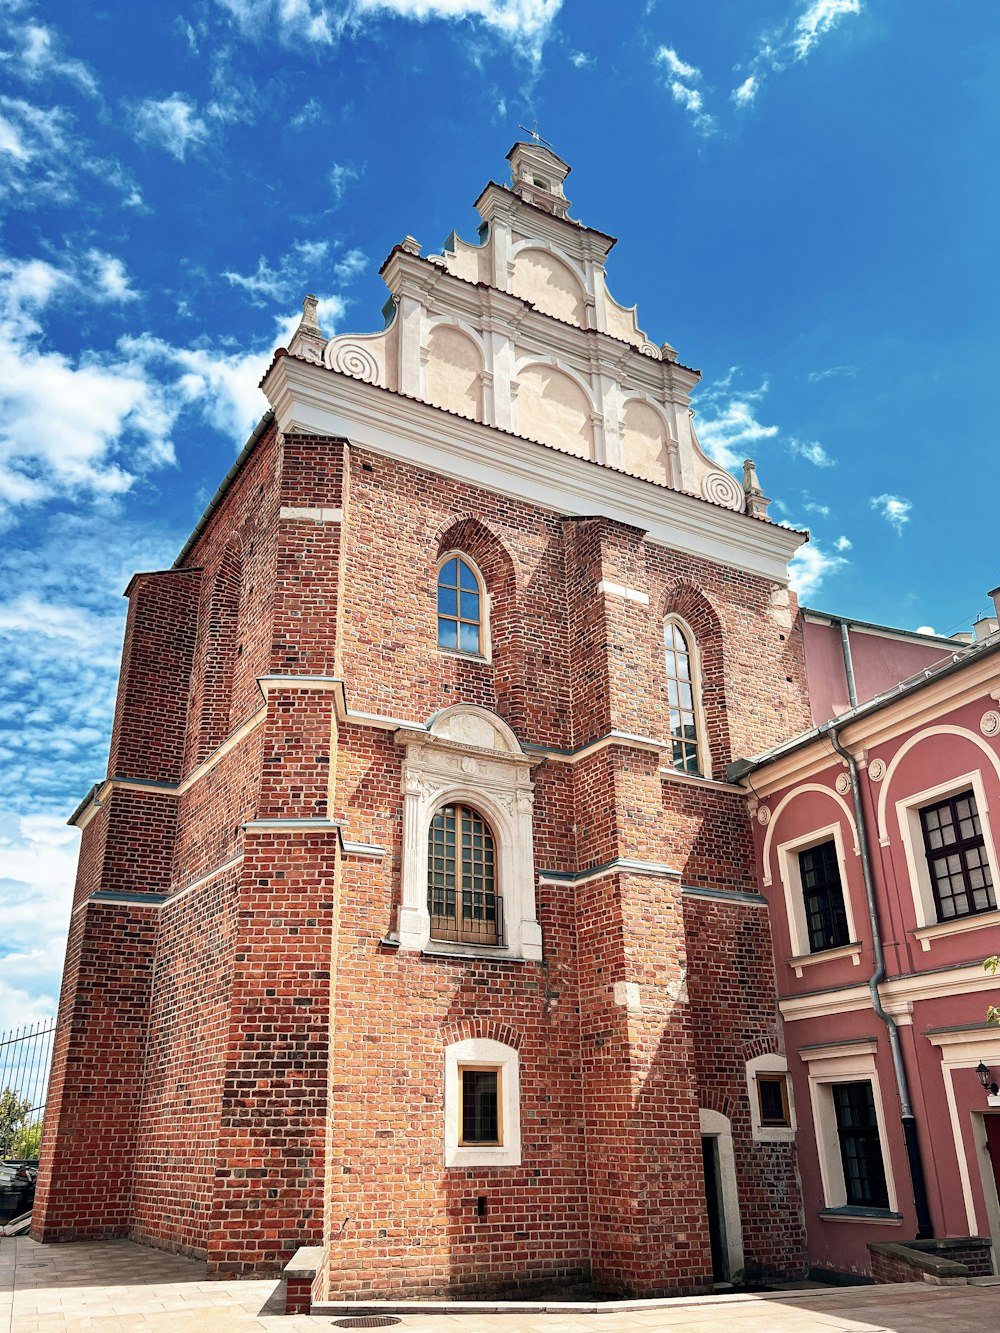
(12, 1117)
(993, 1012)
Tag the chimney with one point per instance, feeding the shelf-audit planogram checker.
(995, 594)
(985, 626)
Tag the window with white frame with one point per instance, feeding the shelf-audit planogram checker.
(688, 750)
(818, 908)
(950, 855)
(772, 1112)
(849, 1120)
(461, 607)
(468, 875)
(482, 1104)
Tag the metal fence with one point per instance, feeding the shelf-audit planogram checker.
(25, 1060)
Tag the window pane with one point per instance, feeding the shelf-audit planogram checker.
(860, 1149)
(449, 573)
(447, 601)
(447, 633)
(466, 578)
(960, 879)
(772, 1101)
(823, 897)
(468, 641)
(470, 606)
(480, 1106)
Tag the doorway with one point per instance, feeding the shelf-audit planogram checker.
(716, 1215)
(725, 1230)
(990, 1166)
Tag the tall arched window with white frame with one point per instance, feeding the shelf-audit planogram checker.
(683, 698)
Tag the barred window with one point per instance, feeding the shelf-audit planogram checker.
(956, 857)
(460, 608)
(682, 698)
(461, 878)
(479, 1117)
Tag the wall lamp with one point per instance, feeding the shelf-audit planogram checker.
(986, 1079)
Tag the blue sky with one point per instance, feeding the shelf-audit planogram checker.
(806, 197)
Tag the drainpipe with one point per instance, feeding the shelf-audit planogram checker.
(845, 645)
(917, 1180)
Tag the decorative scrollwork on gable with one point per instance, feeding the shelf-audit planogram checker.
(351, 358)
(719, 488)
(650, 350)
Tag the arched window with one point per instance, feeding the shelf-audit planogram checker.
(460, 607)
(683, 688)
(461, 878)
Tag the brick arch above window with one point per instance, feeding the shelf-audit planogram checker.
(481, 1029)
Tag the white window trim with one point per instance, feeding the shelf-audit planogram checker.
(911, 835)
(701, 728)
(795, 908)
(485, 653)
(483, 1051)
(470, 757)
(851, 1062)
(775, 1065)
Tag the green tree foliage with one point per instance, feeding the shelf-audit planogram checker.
(993, 1012)
(12, 1117)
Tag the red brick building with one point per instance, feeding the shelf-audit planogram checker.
(416, 919)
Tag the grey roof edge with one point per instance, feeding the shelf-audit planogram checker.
(832, 619)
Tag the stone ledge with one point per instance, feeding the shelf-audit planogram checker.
(305, 1262)
(921, 1261)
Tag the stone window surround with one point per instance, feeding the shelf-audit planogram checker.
(911, 836)
(849, 1062)
(773, 1065)
(697, 693)
(795, 911)
(483, 1051)
(485, 653)
(470, 756)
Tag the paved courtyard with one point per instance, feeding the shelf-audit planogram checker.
(115, 1286)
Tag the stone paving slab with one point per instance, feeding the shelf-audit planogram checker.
(120, 1287)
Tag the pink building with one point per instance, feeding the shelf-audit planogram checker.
(876, 837)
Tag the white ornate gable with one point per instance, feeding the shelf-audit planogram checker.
(520, 331)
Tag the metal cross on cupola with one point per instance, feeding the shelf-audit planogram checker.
(537, 173)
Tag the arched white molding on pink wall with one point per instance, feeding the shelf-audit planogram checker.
(786, 800)
(907, 746)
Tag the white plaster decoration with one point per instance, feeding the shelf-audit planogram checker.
(849, 1062)
(350, 357)
(843, 783)
(907, 746)
(899, 991)
(719, 488)
(803, 960)
(763, 816)
(783, 805)
(292, 512)
(717, 1126)
(912, 841)
(627, 996)
(649, 349)
(876, 770)
(989, 723)
(483, 1051)
(618, 590)
(791, 884)
(434, 774)
(776, 1065)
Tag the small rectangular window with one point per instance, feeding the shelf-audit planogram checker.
(772, 1098)
(956, 857)
(823, 896)
(860, 1148)
(479, 1109)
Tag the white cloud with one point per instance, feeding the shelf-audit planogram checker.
(340, 177)
(843, 544)
(792, 42)
(34, 55)
(893, 508)
(525, 24)
(812, 451)
(728, 424)
(172, 123)
(820, 17)
(810, 567)
(307, 115)
(817, 376)
(747, 91)
(821, 511)
(925, 629)
(581, 60)
(681, 79)
(350, 266)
